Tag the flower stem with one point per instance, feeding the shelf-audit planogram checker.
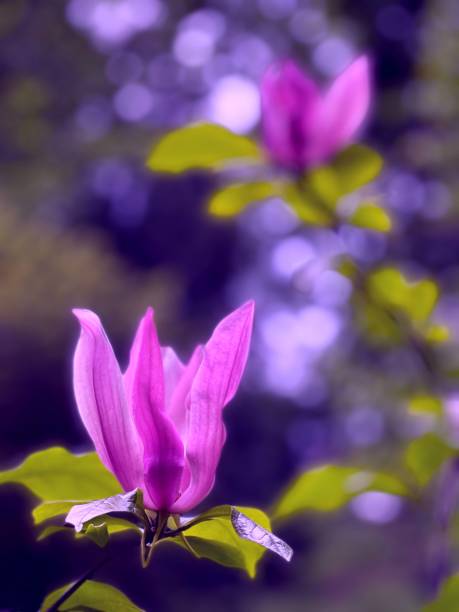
(76, 585)
(147, 546)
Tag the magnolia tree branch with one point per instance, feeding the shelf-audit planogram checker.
(76, 585)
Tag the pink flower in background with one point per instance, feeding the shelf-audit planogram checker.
(158, 426)
(303, 126)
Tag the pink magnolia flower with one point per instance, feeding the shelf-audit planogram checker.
(303, 126)
(158, 426)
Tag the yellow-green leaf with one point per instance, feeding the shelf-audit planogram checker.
(92, 595)
(348, 171)
(232, 199)
(389, 287)
(356, 166)
(329, 487)
(108, 524)
(307, 207)
(424, 297)
(201, 145)
(98, 534)
(55, 474)
(425, 404)
(217, 540)
(426, 455)
(448, 598)
(437, 334)
(49, 510)
(371, 216)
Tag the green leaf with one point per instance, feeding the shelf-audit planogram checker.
(426, 455)
(217, 540)
(98, 534)
(306, 206)
(49, 510)
(437, 334)
(355, 167)
(424, 403)
(92, 595)
(202, 145)
(109, 524)
(55, 474)
(232, 200)
(448, 598)
(329, 487)
(377, 321)
(373, 217)
(98, 530)
(423, 299)
(322, 184)
(52, 529)
(390, 288)
(350, 170)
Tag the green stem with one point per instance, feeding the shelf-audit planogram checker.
(76, 585)
(148, 547)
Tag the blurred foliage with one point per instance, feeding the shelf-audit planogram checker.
(314, 197)
(425, 404)
(40, 262)
(330, 487)
(448, 598)
(424, 456)
(392, 309)
(204, 146)
(371, 216)
(232, 199)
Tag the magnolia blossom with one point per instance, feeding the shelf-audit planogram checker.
(158, 426)
(303, 126)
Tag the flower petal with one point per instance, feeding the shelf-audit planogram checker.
(214, 385)
(102, 404)
(164, 456)
(173, 370)
(177, 407)
(290, 103)
(344, 108)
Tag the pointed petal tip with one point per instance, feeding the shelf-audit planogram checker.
(247, 308)
(148, 317)
(86, 317)
(361, 68)
(149, 312)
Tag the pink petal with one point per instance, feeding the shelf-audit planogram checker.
(164, 456)
(179, 403)
(214, 385)
(290, 103)
(173, 370)
(102, 404)
(344, 109)
(177, 406)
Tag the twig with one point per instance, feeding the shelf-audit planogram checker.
(76, 585)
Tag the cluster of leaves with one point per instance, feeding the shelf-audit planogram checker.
(315, 196)
(392, 309)
(68, 484)
(232, 536)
